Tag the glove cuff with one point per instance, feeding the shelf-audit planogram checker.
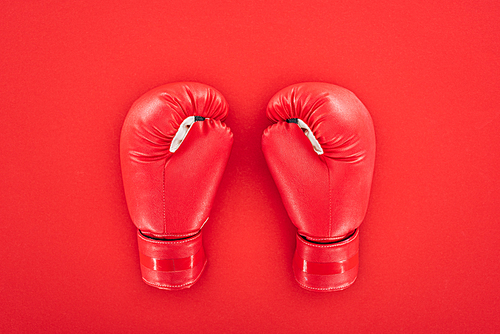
(171, 264)
(326, 267)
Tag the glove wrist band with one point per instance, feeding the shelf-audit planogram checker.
(171, 264)
(326, 267)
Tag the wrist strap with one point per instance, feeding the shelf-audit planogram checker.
(319, 268)
(326, 267)
(171, 264)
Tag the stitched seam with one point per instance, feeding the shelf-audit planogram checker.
(163, 197)
(329, 239)
(330, 202)
(178, 235)
(169, 241)
(175, 235)
(327, 289)
(340, 244)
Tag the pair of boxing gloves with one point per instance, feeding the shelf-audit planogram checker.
(320, 151)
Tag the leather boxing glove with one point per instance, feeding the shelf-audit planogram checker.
(321, 153)
(174, 148)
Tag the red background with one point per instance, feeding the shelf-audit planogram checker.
(428, 72)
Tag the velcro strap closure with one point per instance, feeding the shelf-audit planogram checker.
(328, 268)
(173, 264)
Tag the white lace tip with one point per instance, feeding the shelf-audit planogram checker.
(181, 133)
(309, 134)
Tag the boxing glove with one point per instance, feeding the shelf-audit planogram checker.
(174, 147)
(321, 153)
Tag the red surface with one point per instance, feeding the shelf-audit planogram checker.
(428, 72)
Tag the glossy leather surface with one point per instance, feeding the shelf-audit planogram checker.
(326, 195)
(169, 195)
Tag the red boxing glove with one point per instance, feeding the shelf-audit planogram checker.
(321, 154)
(174, 148)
